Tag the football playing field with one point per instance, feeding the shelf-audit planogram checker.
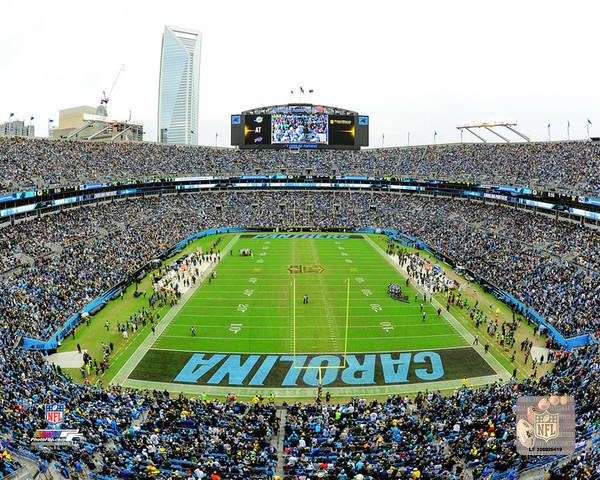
(303, 309)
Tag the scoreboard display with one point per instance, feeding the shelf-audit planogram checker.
(301, 126)
(257, 130)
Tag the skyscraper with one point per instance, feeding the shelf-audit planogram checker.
(179, 84)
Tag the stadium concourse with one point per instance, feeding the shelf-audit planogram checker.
(54, 265)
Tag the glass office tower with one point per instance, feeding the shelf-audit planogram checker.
(179, 86)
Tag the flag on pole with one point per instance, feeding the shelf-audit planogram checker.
(50, 120)
(31, 118)
(548, 124)
(301, 90)
(11, 115)
(589, 121)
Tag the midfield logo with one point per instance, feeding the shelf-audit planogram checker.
(305, 269)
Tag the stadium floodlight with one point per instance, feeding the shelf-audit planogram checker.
(491, 126)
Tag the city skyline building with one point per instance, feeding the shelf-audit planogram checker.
(17, 128)
(179, 85)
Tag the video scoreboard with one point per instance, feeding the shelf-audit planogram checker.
(300, 126)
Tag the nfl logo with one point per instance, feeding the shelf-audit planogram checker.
(546, 426)
(55, 413)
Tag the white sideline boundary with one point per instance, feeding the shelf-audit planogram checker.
(501, 372)
(122, 376)
(135, 358)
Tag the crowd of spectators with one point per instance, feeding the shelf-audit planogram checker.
(551, 265)
(141, 434)
(133, 434)
(570, 167)
(436, 436)
(7, 464)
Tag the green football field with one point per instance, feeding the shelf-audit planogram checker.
(250, 305)
(254, 329)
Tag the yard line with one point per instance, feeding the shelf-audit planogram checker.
(354, 352)
(359, 297)
(254, 339)
(341, 307)
(213, 315)
(303, 327)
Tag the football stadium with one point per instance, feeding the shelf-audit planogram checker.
(299, 304)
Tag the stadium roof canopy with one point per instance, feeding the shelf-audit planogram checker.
(299, 108)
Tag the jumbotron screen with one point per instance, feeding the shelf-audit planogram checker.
(299, 128)
(290, 127)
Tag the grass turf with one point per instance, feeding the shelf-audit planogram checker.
(249, 307)
(320, 325)
(90, 337)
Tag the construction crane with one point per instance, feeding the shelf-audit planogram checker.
(105, 98)
(101, 111)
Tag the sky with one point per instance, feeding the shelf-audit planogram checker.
(412, 66)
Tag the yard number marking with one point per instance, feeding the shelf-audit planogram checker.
(235, 327)
(386, 326)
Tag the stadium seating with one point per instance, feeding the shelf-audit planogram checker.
(551, 265)
(53, 265)
(570, 167)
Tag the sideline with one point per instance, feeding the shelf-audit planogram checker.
(304, 392)
(341, 392)
(501, 372)
(123, 374)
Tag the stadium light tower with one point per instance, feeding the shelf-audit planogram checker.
(490, 127)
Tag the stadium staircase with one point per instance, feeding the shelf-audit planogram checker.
(54, 248)
(277, 441)
(102, 232)
(25, 259)
(28, 468)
